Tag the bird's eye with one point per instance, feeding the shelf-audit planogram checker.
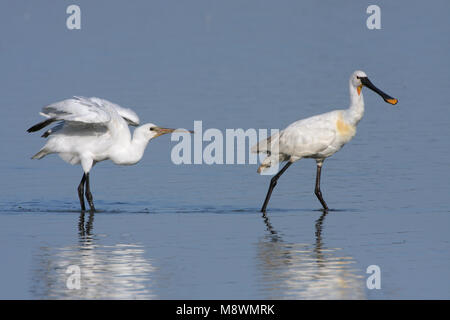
(152, 129)
(358, 77)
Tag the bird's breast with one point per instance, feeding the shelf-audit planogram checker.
(345, 130)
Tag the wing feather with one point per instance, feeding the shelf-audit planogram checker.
(82, 111)
(77, 109)
(127, 114)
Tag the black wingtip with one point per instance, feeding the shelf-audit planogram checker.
(46, 133)
(41, 125)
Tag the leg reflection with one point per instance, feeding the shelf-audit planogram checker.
(303, 267)
(273, 233)
(85, 228)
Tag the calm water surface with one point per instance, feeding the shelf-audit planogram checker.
(194, 231)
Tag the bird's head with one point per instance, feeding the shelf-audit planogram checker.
(359, 80)
(149, 131)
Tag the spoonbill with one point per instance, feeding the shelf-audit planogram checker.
(317, 137)
(90, 130)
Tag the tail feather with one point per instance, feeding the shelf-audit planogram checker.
(42, 153)
(263, 167)
(269, 145)
(270, 161)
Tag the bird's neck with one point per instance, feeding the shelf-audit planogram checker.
(356, 110)
(132, 151)
(137, 147)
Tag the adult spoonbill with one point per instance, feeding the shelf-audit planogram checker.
(317, 137)
(91, 130)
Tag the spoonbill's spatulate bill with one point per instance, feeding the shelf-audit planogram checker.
(317, 137)
(90, 130)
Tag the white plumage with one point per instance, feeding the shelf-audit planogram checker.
(91, 130)
(88, 110)
(317, 137)
(308, 138)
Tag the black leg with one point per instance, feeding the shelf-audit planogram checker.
(273, 183)
(89, 194)
(81, 191)
(317, 190)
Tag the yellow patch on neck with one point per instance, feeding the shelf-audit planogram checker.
(359, 89)
(343, 128)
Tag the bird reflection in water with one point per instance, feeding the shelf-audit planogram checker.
(108, 271)
(306, 271)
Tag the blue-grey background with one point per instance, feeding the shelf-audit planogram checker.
(194, 231)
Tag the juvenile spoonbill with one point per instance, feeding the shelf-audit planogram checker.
(317, 137)
(90, 130)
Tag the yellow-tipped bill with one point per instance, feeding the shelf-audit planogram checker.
(392, 101)
(366, 82)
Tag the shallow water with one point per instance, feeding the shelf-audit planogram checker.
(194, 231)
